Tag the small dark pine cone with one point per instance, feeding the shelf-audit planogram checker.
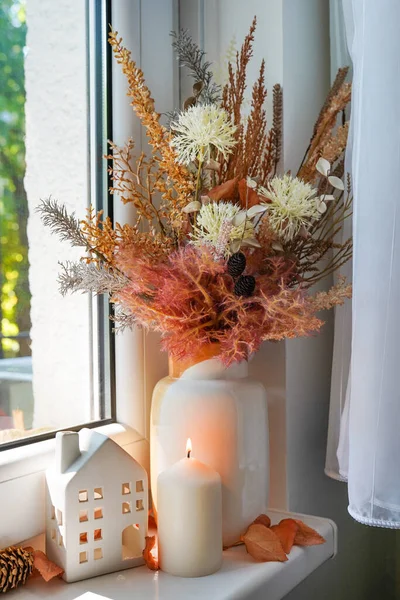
(245, 286)
(236, 264)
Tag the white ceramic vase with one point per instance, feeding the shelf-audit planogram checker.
(224, 412)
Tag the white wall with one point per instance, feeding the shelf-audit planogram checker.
(56, 157)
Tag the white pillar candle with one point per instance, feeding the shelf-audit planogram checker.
(189, 518)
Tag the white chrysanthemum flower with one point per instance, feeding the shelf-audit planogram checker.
(215, 224)
(292, 205)
(199, 129)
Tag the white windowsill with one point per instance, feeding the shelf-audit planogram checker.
(239, 578)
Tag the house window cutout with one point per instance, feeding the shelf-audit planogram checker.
(83, 557)
(97, 535)
(83, 516)
(59, 517)
(126, 508)
(126, 488)
(53, 512)
(98, 553)
(83, 538)
(98, 493)
(139, 505)
(53, 534)
(83, 496)
(60, 540)
(139, 486)
(98, 513)
(132, 542)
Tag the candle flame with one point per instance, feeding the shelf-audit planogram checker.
(188, 447)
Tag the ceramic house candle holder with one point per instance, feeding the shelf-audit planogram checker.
(96, 506)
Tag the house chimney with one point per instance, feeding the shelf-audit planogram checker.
(67, 449)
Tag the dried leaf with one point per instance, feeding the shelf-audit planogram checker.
(262, 520)
(45, 566)
(277, 246)
(321, 206)
(225, 191)
(191, 101)
(327, 197)
(263, 544)
(212, 165)
(323, 166)
(251, 183)
(246, 192)
(286, 532)
(239, 219)
(306, 536)
(151, 562)
(257, 209)
(252, 242)
(235, 246)
(198, 87)
(336, 182)
(193, 206)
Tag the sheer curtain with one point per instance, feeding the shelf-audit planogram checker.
(371, 430)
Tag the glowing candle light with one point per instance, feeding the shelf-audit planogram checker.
(189, 506)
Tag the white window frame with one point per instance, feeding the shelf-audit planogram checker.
(22, 468)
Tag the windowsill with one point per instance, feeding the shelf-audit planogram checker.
(239, 578)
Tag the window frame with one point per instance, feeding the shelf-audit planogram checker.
(100, 111)
(23, 463)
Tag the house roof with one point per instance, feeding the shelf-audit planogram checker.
(90, 442)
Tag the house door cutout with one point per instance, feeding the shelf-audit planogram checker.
(132, 544)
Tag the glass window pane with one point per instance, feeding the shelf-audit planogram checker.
(52, 350)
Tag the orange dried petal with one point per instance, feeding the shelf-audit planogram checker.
(262, 520)
(150, 560)
(263, 544)
(286, 532)
(307, 536)
(225, 191)
(46, 567)
(246, 192)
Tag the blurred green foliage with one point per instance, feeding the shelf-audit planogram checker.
(14, 285)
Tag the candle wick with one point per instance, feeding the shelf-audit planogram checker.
(188, 454)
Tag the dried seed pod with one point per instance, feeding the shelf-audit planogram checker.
(245, 286)
(15, 567)
(236, 264)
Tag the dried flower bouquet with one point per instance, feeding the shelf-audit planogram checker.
(223, 248)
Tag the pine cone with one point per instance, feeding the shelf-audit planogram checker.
(236, 264)
(15, 567)
(245, 286)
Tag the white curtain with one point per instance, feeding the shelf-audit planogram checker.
(369, 434)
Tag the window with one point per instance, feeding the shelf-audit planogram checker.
(52, 86)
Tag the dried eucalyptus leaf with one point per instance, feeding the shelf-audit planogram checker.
(235, 246)
(323, 166)
(193, 206)
(277, 246)
(257, 209)
(252, 242)
(239, 219)
(336, 182)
